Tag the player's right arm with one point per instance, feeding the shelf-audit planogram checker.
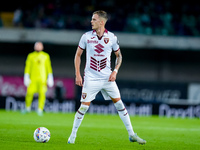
(77, 63)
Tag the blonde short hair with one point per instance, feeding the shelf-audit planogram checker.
(101, 14)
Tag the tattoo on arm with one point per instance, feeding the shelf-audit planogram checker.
(118, 60)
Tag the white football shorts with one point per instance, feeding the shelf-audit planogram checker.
(92, 88)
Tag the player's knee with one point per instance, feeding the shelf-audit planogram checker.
(115, 100)
(86, 103)
(119, 105)
(83, 108)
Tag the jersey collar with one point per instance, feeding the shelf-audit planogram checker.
(104, 34)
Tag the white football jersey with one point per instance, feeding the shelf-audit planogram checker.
(98, 54)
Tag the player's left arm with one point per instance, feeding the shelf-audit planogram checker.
(50, 79)
(118, 63)
(48, 65)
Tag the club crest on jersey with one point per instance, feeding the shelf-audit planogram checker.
(106, 40)
(84, 95)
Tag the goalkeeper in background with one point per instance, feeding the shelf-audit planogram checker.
(37, 75)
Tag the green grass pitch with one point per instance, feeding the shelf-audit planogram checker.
(97, 132)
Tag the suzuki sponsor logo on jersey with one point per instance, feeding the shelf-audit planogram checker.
(99, 49)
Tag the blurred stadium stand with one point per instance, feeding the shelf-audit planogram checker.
(138, 16)
(160, 41)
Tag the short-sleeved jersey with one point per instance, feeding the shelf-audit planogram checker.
(98, 54)
(38, 66)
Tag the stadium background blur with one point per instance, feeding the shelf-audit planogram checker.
(160, 44)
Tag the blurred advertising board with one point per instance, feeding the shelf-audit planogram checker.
(194, 92)
(105, 107)
(151, 92)
(14, 86)
(140, 98)
(10, 103)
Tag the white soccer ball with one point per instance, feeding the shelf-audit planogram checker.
(41, 135)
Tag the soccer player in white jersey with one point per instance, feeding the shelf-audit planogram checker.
(98, 76)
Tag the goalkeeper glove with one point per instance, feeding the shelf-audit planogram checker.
(50, 80)
(27, 80)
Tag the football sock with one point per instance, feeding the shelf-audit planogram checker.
(78, 118)
(40, 110)
(124, 116)
(28, 109)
